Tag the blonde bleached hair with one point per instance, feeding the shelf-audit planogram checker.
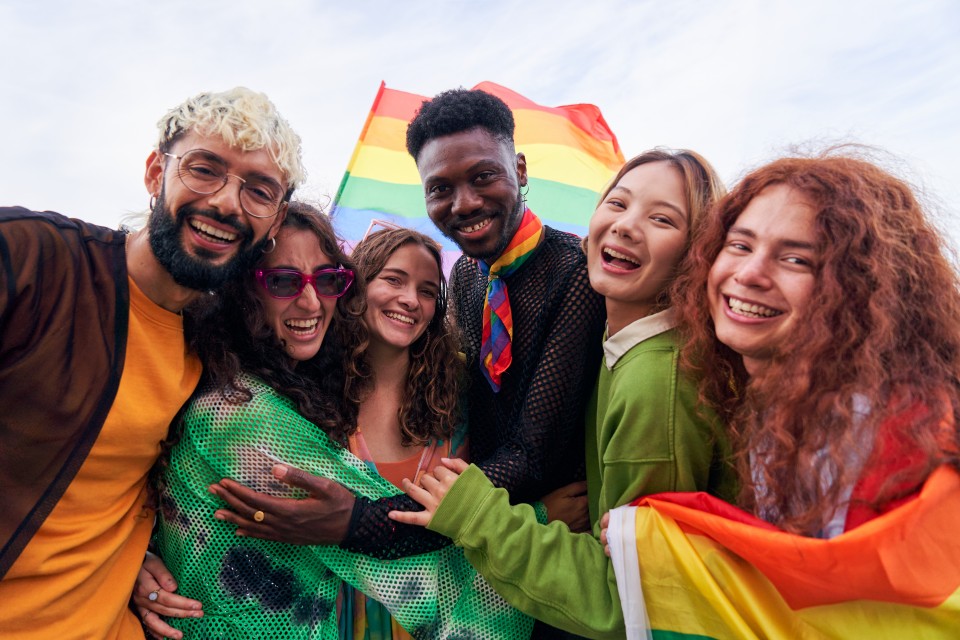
(244, 119)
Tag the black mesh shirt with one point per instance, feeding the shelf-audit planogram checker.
(528, 438)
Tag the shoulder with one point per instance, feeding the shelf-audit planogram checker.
(664, 344)
(649, 366)
(564, 247)
(254, 405)
(21, 220)
(560, 256)
(562, 266)
(465, 269)
(25, 233)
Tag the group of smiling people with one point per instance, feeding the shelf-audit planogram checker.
(791, 346)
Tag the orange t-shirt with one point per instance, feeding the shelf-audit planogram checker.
(74, 578)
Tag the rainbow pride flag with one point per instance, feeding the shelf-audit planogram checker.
(571, 155)
(692, 566)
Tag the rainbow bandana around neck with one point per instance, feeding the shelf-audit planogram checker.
(495, 351)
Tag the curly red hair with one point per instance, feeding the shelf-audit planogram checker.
(881, 338)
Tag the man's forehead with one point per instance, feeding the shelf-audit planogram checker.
(464, 148)
(261, 160)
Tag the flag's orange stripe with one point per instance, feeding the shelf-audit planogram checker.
(533, 127)
(910, 555)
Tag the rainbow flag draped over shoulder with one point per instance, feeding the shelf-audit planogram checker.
(692, 566)
(571, 154)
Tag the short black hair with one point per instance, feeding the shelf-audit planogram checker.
(459, 110)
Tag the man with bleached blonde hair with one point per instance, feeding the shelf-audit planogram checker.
(94, 365)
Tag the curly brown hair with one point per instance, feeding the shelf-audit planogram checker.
(884, 331)
(430, 407)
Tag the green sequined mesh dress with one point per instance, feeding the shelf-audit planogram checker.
(259, 589)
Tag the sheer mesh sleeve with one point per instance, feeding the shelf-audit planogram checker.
(528, 438)
(266, 589)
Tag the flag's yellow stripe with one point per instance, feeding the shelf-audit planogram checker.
(560, 163)
(541, 128)
(545, 161)
(386, 165)
(693, 585)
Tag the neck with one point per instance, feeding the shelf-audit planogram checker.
(389, 363)
(150, 276)
(379, 413)
(622, 314)
(753, 366)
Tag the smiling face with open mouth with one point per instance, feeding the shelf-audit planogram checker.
(402, 298)
(761, 284)
(299, 323)
(637, 236)
(471, 184)
(202, 240)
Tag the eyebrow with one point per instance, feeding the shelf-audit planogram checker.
(659, 203)
(404, 273)
(482, 163)
(315, 269)
(793, 244)
(256, 175)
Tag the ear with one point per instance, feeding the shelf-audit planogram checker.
(522, 169)
(153, 176)
(278, 221)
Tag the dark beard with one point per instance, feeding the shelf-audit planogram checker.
(194, 272)
(510, 227)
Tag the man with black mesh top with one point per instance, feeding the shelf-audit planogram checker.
(532, 331)
(531, 324)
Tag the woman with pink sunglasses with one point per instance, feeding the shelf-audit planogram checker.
(301, 373)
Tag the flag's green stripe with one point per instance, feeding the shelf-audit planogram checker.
(561, 204)
(552, 201)
(404, 200)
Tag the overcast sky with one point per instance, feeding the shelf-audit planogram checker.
(740, 81)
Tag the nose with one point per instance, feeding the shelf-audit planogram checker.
(408, 297)
(227, 199)
(308, 300)
(466, 201)
(628, 225)
(753, 271)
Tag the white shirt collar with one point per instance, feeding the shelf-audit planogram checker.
(636, 332)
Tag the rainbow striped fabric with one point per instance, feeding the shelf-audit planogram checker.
(496, 352)
(692, 566)
(571, 154)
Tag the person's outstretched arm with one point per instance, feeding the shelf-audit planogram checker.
(564, 579)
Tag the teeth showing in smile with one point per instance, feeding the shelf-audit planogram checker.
(398, 316)
(213, 232)
(621, 260)
(303, 326)
(751, 310)
(476, 227)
